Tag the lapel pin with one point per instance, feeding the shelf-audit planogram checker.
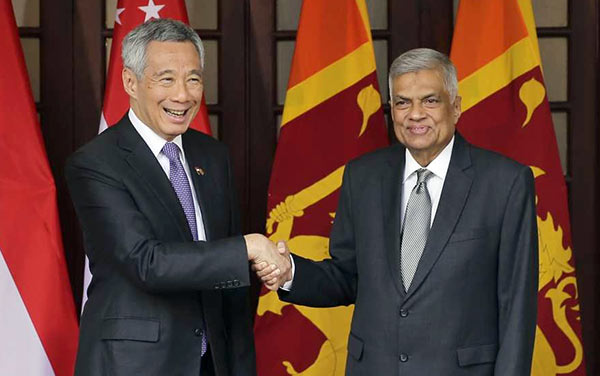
(199, 170)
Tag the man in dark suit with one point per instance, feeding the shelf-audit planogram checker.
(156, 202)
(434, 241)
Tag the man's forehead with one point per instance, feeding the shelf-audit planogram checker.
(161, 60)
(160, 49)
(421, 81)
(421, 75)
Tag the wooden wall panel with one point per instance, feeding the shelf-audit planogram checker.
(584, 186)
(56, 113)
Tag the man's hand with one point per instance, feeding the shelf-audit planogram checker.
(270, 262)
(271, 279)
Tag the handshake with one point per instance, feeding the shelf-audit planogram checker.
(270, 261)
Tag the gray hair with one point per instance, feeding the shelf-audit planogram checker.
(420, 59)
(136, 41)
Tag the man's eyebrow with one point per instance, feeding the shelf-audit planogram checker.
(163, 72)
(167, 71)
(396, 97)
(430, 95)
(170, 71)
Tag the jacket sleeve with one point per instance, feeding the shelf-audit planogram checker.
(518, 279)
(119, 236)
(335, 279)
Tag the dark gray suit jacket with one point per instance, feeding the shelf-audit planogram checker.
(153, 288)
(471, 308)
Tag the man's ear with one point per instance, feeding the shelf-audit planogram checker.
(457, 109)
(130, 82)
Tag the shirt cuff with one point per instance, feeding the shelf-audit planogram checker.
(288, 285)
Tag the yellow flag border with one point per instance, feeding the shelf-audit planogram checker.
(332, 79)
(520, 58)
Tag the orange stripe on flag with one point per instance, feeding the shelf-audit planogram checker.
(328, 38)
(491, 25)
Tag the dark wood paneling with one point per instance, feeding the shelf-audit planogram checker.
(262, 100)
(56, 68)
(420, 23)
(233, 94)
(583, 155)
(88, 84)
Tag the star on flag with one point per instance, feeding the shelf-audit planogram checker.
(151, 10)
(118, 14)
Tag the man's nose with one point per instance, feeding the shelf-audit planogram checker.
(181, 92)
(416, 111)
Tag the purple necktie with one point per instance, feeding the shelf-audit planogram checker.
(181, 185)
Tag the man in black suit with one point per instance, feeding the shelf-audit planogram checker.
(434, 241)
(157, 206)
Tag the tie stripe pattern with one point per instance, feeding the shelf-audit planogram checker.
(417, 221)
(182, 188)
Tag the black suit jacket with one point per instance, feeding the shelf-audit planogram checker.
(471, 307)
(153, 288)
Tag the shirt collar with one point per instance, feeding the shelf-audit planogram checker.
(153, 140)
(439, 166)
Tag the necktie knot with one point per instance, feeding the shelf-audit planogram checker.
(171, 151)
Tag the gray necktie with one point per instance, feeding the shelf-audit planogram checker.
(417, 221)
(182, 188)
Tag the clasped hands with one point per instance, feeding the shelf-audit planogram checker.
(270, 261)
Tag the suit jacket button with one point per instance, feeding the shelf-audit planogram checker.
(403, 358)
(197, 332)
(403, 313)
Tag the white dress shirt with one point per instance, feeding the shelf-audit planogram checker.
(439, 168)
(156, 143)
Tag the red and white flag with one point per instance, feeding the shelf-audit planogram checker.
(128, 15)
(38, 324)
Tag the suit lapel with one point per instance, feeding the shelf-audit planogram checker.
(391, 194)
(143, 162)
(452, 201)
(200, 169)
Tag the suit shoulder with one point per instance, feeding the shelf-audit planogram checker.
(199, 139)
(373, 163)
(376, 158)
(498, 167)
(98, 147)
(488, 158)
